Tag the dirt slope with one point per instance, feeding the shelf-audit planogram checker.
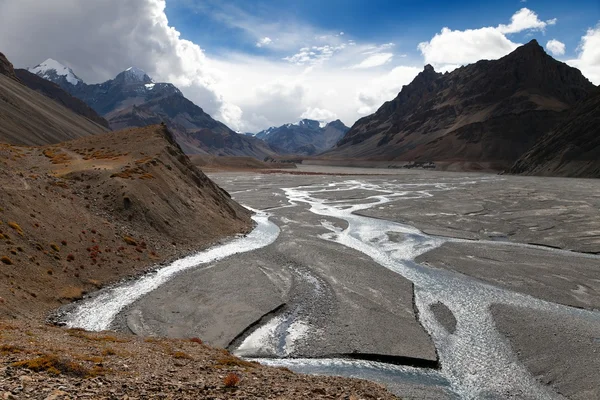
(59, 95)
(29, 118)
(80, 214)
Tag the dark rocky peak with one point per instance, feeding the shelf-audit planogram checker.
(133, 75)
(337, 124)
(6, 68)
(309, 123)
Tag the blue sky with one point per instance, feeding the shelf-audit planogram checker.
(255, 64)
(405, 23)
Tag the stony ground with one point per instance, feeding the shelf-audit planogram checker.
(43, 362)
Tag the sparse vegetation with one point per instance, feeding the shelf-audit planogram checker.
(182, 355)
(129, 240)
(231, 380)
(56, 156)
(55, 365)
(232, 361)
(16, 227)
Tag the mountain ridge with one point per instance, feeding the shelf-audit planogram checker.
(306, 137)
(133, 99)
(457, 116)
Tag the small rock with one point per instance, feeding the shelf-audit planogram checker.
(57, 394)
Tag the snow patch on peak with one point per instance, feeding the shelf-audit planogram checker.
(323, 124)
(46, 68)
(149, 86)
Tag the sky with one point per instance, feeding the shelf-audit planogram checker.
(253, 64)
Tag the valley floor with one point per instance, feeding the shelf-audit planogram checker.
(457, 271)
(437, 285)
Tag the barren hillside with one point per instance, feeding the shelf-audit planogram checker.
(77, 215)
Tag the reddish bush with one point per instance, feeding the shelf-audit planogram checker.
(231, 380)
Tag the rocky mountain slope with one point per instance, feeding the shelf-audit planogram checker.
(6, 67)
(571, 149)
(488, 112)
(307, 137)
(133, 99)
(79, 214)
(56, 93)
(30, 118)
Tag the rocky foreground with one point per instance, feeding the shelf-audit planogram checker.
(41, 362)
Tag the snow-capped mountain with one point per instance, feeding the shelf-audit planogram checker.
(133, 99)
(307, 136)
(54, 71)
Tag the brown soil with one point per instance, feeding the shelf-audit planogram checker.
(32, 119)
(39, 362)
(78, 215)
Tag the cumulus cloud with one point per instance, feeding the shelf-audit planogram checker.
(456, 47)
(103, 38)
(555, 47)
(319, 114)
(588, 55)
(525, 19)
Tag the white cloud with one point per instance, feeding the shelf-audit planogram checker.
(101, 40)
(264, 42)
(374, 60)
(588, 57)
(314, 54)
(455, 47)
(555, 47)
(319, 114)
(525, 19)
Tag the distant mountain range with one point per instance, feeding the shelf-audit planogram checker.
(307, 137)
(33, 117)
(133, 99)
(488, 113)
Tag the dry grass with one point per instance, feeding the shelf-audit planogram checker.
(16, 227)
(129, 240)
(56, 156)
(231, 361)
(55, 365)
(80, 333)
(231, 380)
(182, 356)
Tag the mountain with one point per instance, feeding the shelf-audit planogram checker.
(133, 99)
(307, 137)
(54, 71)
(29, 118)
(6, 68)
(571, 149)
(56, 93)
(487, 112)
